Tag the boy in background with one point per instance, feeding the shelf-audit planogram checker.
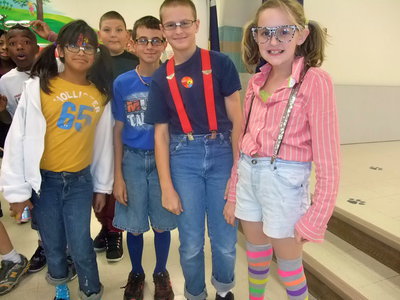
(114, 35)
(22, 49)
(136, 184)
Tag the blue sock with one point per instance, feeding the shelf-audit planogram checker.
(135, 247)
(62, 292)
(161, 244)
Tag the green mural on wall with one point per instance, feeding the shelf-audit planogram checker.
(33, 8)
(22, 11)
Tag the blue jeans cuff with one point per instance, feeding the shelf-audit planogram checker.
(96, 296)
(222, 287)
(57, 281)
(203, 295)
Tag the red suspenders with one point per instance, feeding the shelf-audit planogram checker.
(208, 92)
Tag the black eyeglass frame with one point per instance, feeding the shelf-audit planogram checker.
(154, 41)
(76, 49)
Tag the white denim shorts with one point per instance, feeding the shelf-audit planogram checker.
(276, 194)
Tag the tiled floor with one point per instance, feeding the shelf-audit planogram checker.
(113, 276)
(371, 173)
(379, 189)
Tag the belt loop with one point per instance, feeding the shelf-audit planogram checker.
(273, 163)
(213, 134)
(185, 139)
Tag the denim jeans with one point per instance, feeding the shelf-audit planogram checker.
(63, 212)
(144, 195)
(200, 170)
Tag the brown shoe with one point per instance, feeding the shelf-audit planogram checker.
(134, 288)
(163, 288)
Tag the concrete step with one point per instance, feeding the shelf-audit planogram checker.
(367, 237)
(338, 270)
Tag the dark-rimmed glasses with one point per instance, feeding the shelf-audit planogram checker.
(283, 33)
(88, 49)
(154, 41)
(184, 24)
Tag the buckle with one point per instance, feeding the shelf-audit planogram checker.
(190, 136)
(169, 77)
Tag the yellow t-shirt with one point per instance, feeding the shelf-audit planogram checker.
(72, 112)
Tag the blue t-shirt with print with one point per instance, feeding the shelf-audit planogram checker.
(128, 106)
(161, 108)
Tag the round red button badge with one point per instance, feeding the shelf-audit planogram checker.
(187, 82)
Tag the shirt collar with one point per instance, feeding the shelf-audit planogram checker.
(297, 68)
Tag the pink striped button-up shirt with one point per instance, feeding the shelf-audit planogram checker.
(311, 135)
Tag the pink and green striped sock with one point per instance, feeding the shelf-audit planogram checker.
(258, 259)
(291, 273)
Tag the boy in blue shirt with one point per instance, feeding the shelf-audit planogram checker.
(136, 184)
(195, 106)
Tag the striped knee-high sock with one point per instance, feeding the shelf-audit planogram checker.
(291, 273)
(258, 258)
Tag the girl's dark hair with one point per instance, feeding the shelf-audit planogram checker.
(100, 73)
(313, 48)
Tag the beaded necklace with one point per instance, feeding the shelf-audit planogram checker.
(140, 77)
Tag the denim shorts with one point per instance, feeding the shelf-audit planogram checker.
(144, 195)
(275, 194)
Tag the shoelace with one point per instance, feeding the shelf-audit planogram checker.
(131, 280)
(6, 267)
(163, 282)
(115, 241)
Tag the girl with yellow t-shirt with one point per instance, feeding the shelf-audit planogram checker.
(59, 151)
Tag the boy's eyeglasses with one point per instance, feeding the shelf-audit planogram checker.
(182, 24)
(154, 41)
(88, 49)
(11, 23)
(283, 33)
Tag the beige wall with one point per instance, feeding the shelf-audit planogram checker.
(131, 10)
(365, 43)
(363, 58)
(365, 40)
